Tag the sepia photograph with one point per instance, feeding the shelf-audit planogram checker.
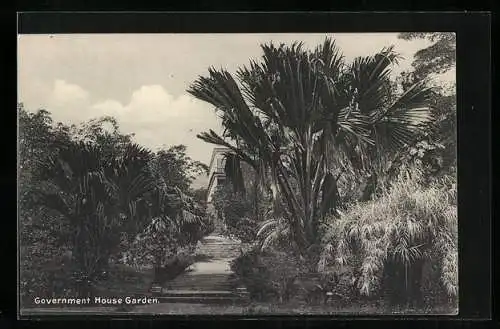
(237, 174)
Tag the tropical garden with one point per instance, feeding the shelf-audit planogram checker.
(97, 211)
(341, 182)
(342, 176)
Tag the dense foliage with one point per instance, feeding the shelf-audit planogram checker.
(301, 117)
(359, 169)
(439, 57)
(342, 179)
(90, 196)
(268, 275)
(410, 227)
(430, 63)
(235, 211)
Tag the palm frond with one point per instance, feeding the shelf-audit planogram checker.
(213, 138)
(298, 114)
(266, 225)
(407, 224)
(403, 121)
(370, 79)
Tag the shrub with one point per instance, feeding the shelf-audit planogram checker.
(389, 241)
(173, 267)
(268, 275)
(240, 213)
(44, 262)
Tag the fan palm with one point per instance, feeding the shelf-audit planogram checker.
(98, 196)
(292, 115)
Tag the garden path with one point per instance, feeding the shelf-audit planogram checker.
(209, 279)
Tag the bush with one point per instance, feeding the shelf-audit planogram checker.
(173, 267)
(58, 275)
(388, 242)
(240, 213)
(268, 275)
(44, 259)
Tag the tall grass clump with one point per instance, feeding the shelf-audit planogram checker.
(403, 244)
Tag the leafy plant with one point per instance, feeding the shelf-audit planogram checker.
(177, 221)
(409, 226)
(237, 212)
(439, 57)
(97, 196)
(268, 275)
(90, 190)
(297, 114)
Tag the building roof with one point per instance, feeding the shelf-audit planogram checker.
(217, 150)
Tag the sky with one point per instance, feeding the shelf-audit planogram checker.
(141, 79)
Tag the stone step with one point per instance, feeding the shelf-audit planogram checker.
(200, 288)
(188, 280)
(202, 300)
(219, 239)
(197, 293)
(220, 253)
(204, 276)
(216, 248)
(226, 248)
(184, 285)
(220, 242)
(200, 297)
(200, 280)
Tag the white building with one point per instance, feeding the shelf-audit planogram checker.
(216, 175)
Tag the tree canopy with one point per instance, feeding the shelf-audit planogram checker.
(297, 117)
(439, 57)
(92, 190)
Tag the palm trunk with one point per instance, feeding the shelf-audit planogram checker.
(308, 215)
(368, 188)
(330, 195)
(256, 201)
(297, 222)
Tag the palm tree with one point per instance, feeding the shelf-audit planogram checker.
(186, 213)
(98, 195)
(295, 115)
(175, 220)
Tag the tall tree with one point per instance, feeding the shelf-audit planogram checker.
(176, 220)
(99, 197)
(89, 188)
(438, 58)
(177, 168)
(296, 113)
(105, 132)
(42, 236)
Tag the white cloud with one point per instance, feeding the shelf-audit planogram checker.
(66, 101)
(65, 92)
(158, 119)
(109, 106)
(141, 80)
(153, 115)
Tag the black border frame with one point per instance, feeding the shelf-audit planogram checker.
(474, 69)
